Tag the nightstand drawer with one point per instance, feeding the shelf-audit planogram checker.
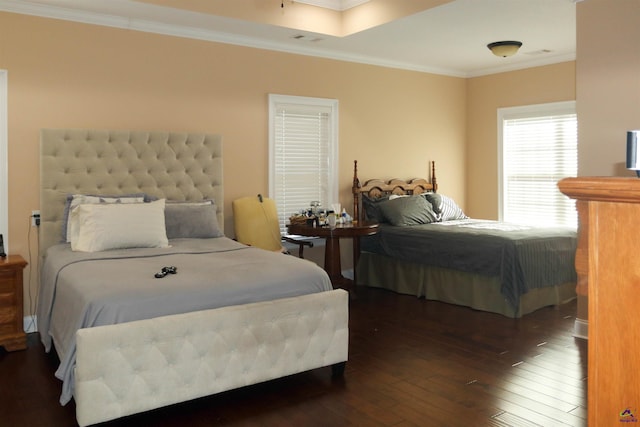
(7, 299)
(7, 320)
(7, 281)
(12, 336)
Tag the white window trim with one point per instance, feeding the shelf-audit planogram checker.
(509, 113)
(4, 161)
(274, 100)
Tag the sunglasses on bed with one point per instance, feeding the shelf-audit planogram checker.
(165, 271)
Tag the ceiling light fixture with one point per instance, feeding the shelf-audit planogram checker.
(504, 48)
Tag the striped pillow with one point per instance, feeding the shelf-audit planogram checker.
(445, 206)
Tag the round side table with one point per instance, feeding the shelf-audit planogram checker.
(353, 230)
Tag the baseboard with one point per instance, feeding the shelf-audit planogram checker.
(348, 274)
(581, 329)
(30, 324)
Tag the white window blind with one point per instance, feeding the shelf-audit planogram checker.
(303, 153)
(539, 148)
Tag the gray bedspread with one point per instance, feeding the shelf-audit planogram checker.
(522, 257)
(82, 290)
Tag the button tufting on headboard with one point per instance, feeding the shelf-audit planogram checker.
(176, 166)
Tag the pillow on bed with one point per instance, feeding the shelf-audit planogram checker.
(195, 220)
(371, 208)
(74, 200)
(101, 227)
(445, 207)
(410, 210)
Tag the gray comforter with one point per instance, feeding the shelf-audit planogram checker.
(521, 257)
(82, 290)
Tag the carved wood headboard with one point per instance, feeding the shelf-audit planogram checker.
(378, 188)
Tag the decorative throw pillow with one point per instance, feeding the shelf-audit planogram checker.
(196, 220)
(445, 207)
(118, 226)
(410, 210)
(74, 200)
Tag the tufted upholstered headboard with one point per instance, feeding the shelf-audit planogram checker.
(175, 166)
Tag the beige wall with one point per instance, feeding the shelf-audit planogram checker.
(608, 88)
(64, 74)
(608, 78)
(551, 83)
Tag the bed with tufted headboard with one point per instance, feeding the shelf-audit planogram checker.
(227, 317)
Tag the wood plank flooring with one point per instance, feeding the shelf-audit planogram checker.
(411, 363)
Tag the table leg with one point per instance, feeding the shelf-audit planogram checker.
(332, 261)
(356, 257)
(333, 267)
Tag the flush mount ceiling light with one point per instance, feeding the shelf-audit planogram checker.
(504, 48)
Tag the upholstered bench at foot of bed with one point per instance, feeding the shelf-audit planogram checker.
(134, 367)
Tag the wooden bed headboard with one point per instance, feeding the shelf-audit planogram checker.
(175, 166)
(378, 188)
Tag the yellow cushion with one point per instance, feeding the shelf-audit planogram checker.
(256, 223)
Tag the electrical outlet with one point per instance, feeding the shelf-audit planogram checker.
(35, 218)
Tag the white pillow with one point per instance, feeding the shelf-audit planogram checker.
(101, 227)
(74, 200)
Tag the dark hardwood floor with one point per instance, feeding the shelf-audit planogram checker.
(411, 363)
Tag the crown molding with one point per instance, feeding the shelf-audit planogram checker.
(547, 60)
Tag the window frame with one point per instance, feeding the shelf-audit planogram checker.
(277, 100)
(525, 111)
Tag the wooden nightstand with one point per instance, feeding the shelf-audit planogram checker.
(12, 335)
